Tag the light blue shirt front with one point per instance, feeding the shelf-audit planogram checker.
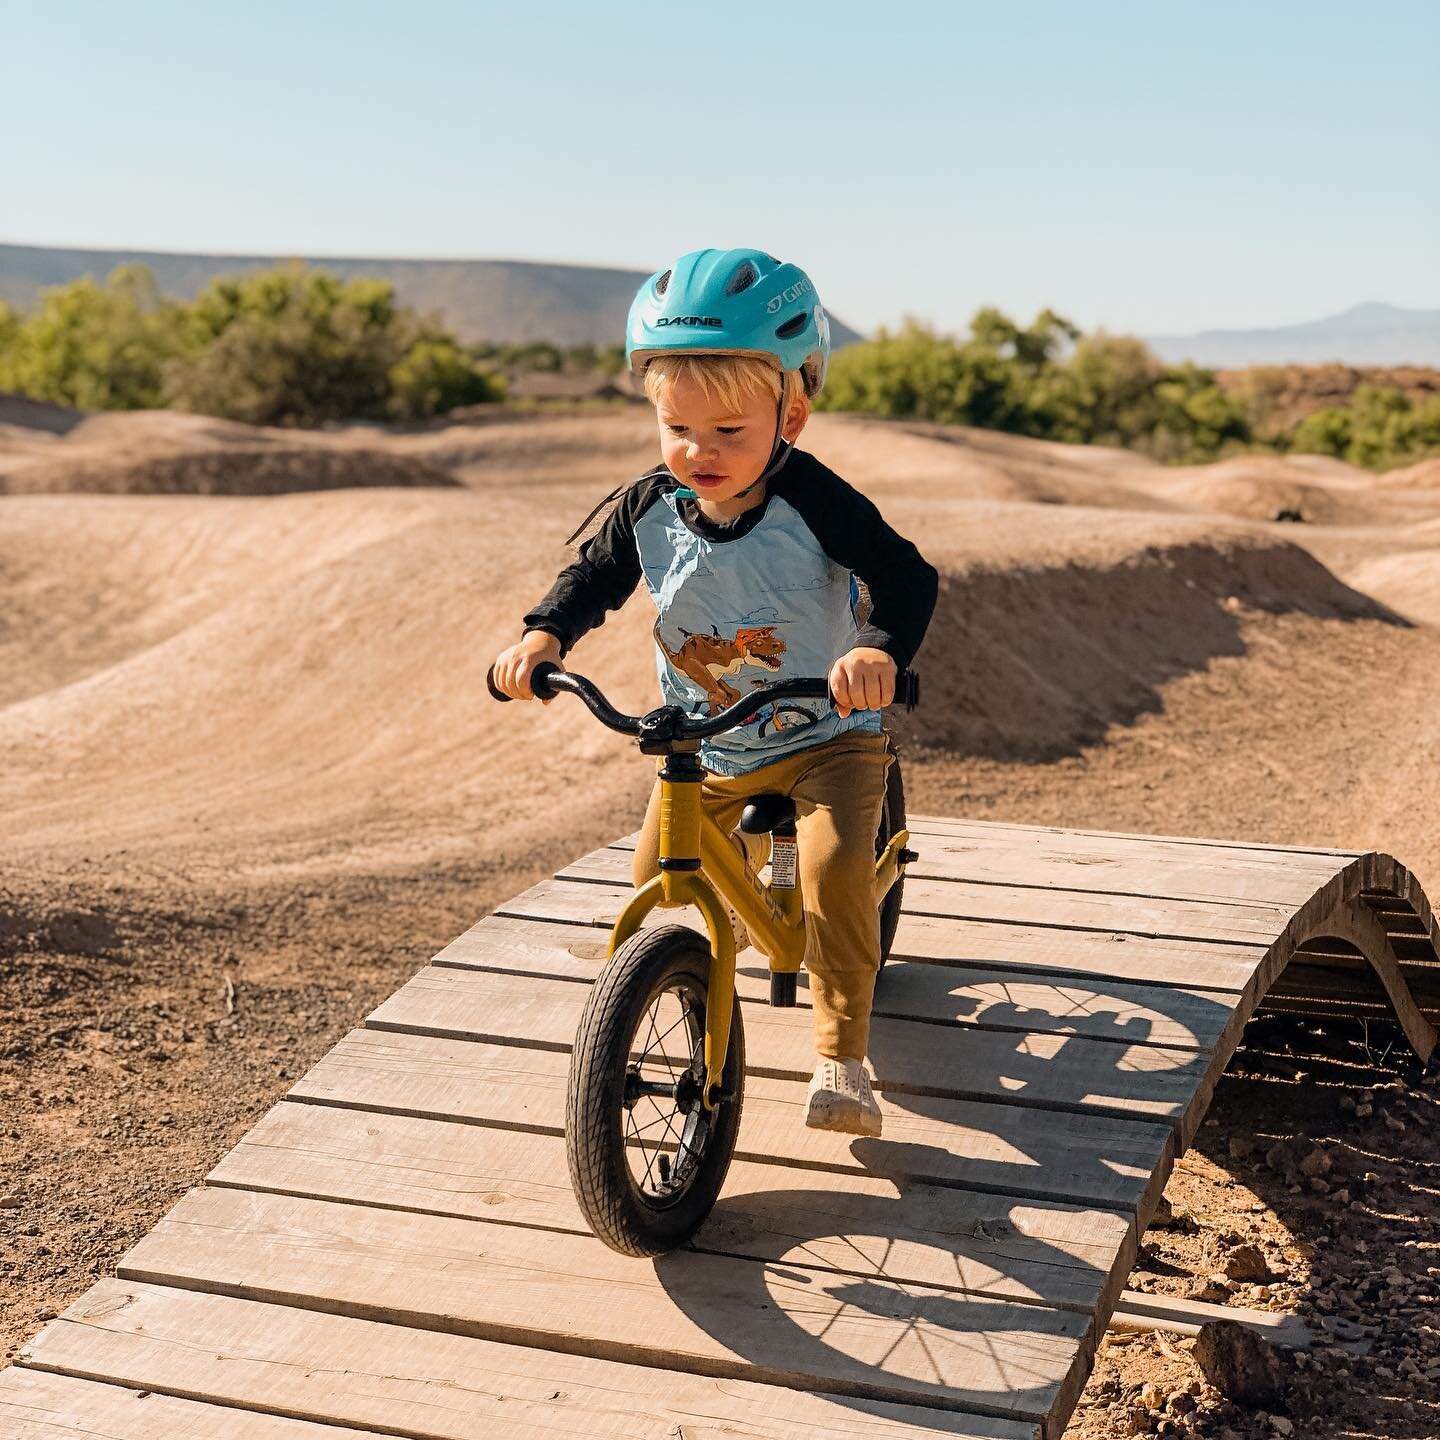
(738, 613)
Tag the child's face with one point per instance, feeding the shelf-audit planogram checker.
(719, 453)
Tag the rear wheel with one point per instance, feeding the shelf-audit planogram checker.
(892, 820)
(647, 1160)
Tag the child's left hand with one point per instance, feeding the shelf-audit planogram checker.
(862, 679)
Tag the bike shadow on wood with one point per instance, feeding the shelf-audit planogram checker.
(982, 1235)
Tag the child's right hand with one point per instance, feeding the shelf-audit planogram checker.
(514, 667)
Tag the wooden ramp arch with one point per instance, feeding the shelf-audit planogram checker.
(394, 1249)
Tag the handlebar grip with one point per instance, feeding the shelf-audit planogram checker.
(497, 694)
(907, 689)
(540, 680)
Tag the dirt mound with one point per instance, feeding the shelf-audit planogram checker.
(1425, 475)
(1034, 663)
(956, 462)
(1408, 582)
(241, 470)
(164, 452)
(1260, 487)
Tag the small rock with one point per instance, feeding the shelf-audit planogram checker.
(9, 1202)
(1238, 1363)
(1364, 1111)
(1315, 1163)
(1247, 1264)
(1281, 1426)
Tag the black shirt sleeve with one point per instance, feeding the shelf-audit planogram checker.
(606, 573)
(853, 532)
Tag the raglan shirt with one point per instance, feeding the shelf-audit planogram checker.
(771, 596)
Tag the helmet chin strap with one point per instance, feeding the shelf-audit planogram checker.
(779, 451)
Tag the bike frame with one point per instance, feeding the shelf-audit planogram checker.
(700, 864)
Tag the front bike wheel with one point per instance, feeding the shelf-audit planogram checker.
(892, 820)
(647, 1160)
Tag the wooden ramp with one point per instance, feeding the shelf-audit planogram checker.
(394, 1248)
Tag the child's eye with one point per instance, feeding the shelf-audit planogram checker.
(730, 429)
(676, 429)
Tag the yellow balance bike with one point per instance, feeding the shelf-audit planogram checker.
(657, 1069)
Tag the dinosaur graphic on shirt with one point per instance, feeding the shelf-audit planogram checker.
(708, 659)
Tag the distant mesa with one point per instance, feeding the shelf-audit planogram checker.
(1368, 334)
(502, 301)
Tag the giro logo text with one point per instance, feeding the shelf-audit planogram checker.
(789, 293)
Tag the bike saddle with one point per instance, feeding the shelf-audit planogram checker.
(764, 814)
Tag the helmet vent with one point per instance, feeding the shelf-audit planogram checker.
(744, 277)
(793, 326)
(663, 283)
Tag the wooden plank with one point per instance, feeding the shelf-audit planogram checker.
(1105, 844)
(1178, 1315)
(990, 998)
(703, 1313)
(1282, 854)
(1149, 872)
(449, 1387)
(1018, 1067)
(598, 904)
(1022, 949)
(1021, 904)
(972, 1145)
(952, 1239)
(1117, 955)
(38, 1406)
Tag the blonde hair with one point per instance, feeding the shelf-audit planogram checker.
(724, 379)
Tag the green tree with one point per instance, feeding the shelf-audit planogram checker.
(436, 375)
(290, 346)
(97, 347)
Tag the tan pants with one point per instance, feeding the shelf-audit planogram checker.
(838, 788)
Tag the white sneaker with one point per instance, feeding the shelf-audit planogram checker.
(840, 1098)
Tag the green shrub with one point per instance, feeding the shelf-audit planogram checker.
(1379, 428)
(97, 347)
(1109, 389)
(436, 375)
(289, 346)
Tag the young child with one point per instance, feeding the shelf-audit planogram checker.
(750, 550)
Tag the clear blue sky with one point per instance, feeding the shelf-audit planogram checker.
(1153, 167)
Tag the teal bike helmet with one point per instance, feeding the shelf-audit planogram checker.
(731, 302)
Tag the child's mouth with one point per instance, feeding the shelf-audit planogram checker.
(700, 478)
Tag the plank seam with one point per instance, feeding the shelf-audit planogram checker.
(818, 1167)
(1256, 944)
(614, 1350)
(1278, 851)
(235, 1403)
(757, 1004)
(771, 1072)
(915, 872)
(1071, 1306)
(1061, 978)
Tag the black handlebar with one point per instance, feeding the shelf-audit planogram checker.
(547, 681)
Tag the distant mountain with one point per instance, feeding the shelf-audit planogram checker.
(494, 300)
(1369, 334)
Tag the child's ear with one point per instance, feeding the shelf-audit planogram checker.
(795, 418)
